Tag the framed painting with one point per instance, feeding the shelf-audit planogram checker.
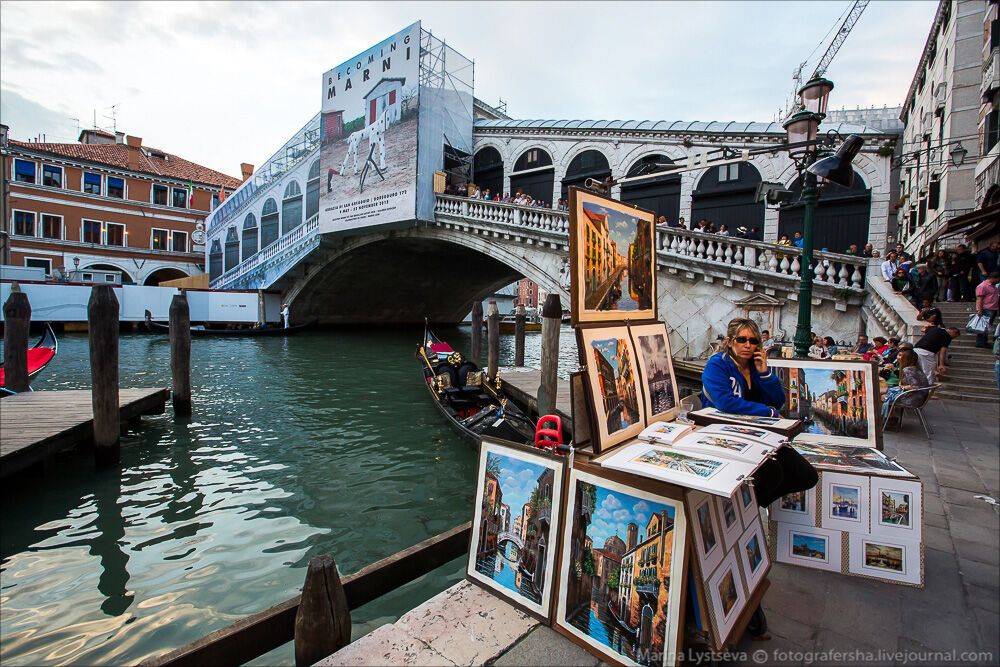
(515, 525)
(612, 260)
(709, 547)
(837, 401)
(897, 509)
(797, 508)
(579, 409)
(787, 428)
(664, 432)
(749, 509)
(754, 560)
(730, 520)
(849, 458)
(845, 502)
(817, 548)
(622, 564)
(727, 596)
(652, 347)
(893, 560)
(616, 399)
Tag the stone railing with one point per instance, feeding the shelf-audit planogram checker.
(307, 229)
(890, 313)
(528, 217)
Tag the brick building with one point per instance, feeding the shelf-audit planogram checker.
(107, 202)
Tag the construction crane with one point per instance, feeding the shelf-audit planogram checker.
(853, 14)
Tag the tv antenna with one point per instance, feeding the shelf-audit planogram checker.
(113, 118)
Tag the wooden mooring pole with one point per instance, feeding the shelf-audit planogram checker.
(180, 354)
(477, 331)
(493, 340)
(17, 321)
(323, 620)
(551, 323)
(102, 319)
(519, 318)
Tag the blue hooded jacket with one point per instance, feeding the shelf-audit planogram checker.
(723, 387)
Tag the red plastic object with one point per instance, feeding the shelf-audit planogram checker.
(548, 432)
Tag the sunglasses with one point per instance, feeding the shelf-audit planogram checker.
(744, 339)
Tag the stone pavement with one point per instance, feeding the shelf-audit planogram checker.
(812, 615)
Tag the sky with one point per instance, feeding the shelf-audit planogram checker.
(517, 480)
(615, 510)
(224, 83)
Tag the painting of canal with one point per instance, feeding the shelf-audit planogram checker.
(677, 462)
(616, 379)
(830, 400)
(621, 570)
(614, 274)
(514, 550)
(884, 557)
(895, 508)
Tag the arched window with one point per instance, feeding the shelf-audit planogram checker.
(842, 215)
(232, 249)
(588, 164)
(215, 260)
(249, 236)
(291, 208)
(487, 169)
(268, 224)
(540, 176)
(661, 195)
(312, 191)
(726, 196)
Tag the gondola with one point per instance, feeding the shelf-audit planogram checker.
(471, 403)
(250, 331)
(39, 356)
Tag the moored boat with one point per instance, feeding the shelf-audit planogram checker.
(462, 392)
(40, 355)
(159, 327)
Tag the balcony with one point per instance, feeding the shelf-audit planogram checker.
(940, 94)
(991, 73)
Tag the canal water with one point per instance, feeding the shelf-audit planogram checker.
(325, 442)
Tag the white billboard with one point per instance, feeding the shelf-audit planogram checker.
(368, 156)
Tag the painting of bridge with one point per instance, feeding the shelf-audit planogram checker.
(513, 547)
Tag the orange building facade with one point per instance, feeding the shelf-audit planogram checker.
(107, 203)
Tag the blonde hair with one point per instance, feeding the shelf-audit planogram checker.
(734, 328)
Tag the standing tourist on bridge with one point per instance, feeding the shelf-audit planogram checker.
(925, 286)
(889, 266)
(988, 261)
(987, 303)
(737, 378)
(940, 266)
(961, 266)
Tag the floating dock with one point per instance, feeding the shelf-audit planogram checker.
(35, 425)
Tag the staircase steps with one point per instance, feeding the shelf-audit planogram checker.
(970, 369)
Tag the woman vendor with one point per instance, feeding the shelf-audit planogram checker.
(737, 380)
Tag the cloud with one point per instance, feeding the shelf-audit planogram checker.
(611, 503)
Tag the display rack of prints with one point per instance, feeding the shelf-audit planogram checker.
(761, 435)
(796, 508)
(612, 260)
(845, 503)
(754, 558)
(652, 347)
(837, 401)
(849, 458)
(788, 428)
(818, 548)
(516, 524)
(727, 446)
(664, 432)
(730, 520)
(622, 564)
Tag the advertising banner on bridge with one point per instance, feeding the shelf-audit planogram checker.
(368, 154)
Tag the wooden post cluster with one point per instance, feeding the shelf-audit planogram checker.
(519, 320)
(477, 331)
(493, 340)
(551, 323)
(17, 321)
(102, 320)
(323, 620)
(180, 354)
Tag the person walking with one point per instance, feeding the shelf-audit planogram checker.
(932, 350)
(940, 266)
(987, 303)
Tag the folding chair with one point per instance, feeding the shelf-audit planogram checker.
(928, 392)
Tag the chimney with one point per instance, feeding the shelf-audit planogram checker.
(119, 137)
(247, 170)
(134, 152)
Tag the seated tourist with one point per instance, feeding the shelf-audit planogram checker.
(910, 377)
(831, 346)
(818, 349)
(737, 379)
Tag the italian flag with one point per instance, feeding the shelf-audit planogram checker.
(190, 194)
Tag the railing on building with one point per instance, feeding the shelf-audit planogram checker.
(307, 229)
(892, 313)
(991, 72)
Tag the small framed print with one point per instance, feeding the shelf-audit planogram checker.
(727, 597)
(730, 517)
(798, 508)
(845, 502)
(612, 259)
(749, 509)
(616, 398)
(709, 545)
(753, 556)
(652, 347)
(894, 560)
(515, 524)
(817, 548)
(897, 509)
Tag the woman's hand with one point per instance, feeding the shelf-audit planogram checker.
(760, 361)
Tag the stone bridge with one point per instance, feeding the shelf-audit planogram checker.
(510, 537)
(438, 269)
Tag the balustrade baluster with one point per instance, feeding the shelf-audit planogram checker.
(820, 272)
(729, 254)
(784, 264)
(700, 249)
(765, 260)
(856, 277)
(843, 276)
(738, 255)
(718, 251)
(673, 245)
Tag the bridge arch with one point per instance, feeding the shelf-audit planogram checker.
(110, 266)
(164, 273)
